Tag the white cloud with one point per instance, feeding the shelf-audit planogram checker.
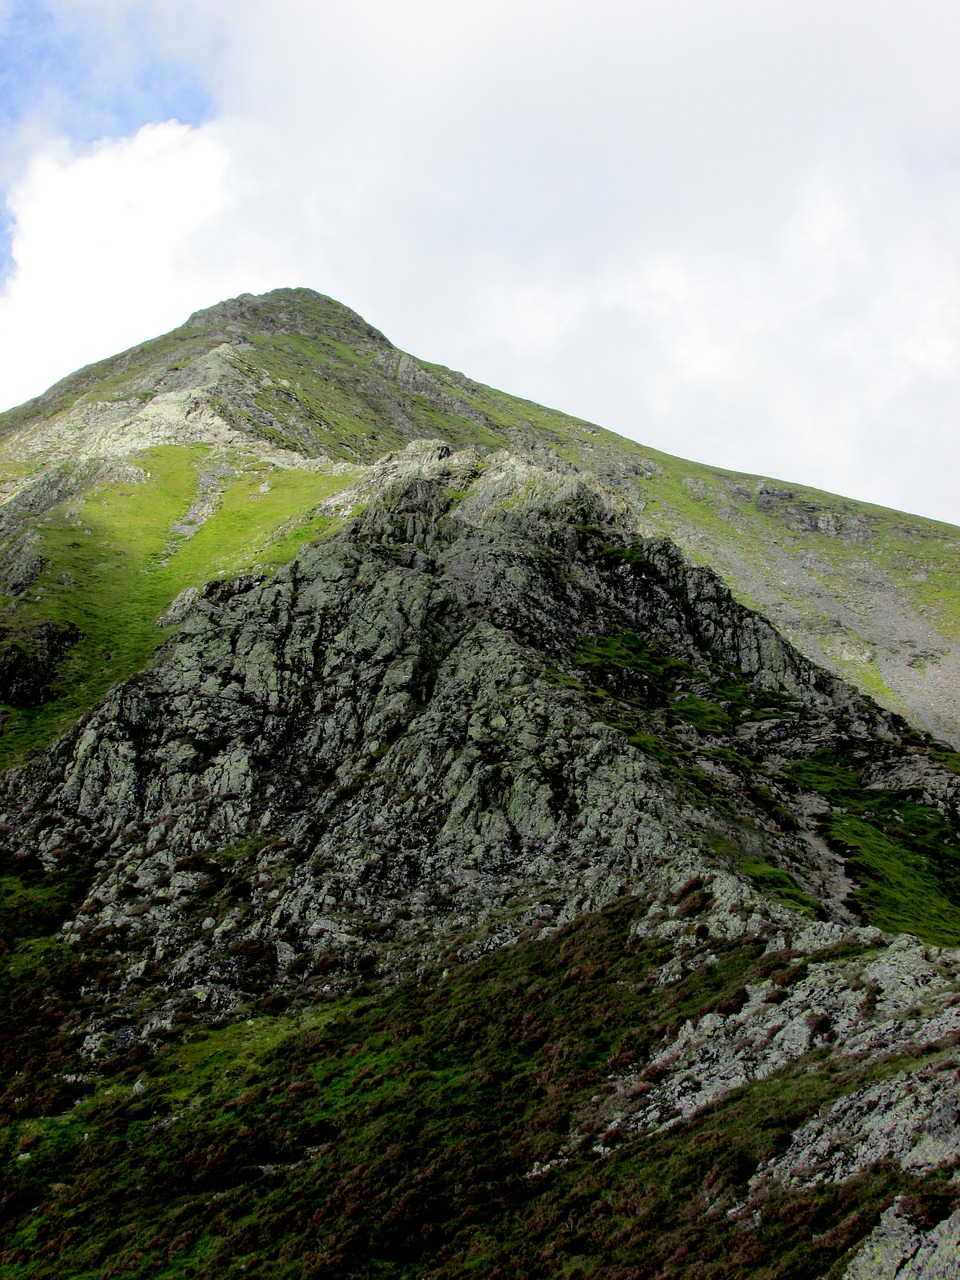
(108, 250)
(728, 230)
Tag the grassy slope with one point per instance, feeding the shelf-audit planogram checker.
(396, 1136)
(115, 566)
(111, 378)
(920, 557)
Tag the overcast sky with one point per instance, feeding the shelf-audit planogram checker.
(727, 228)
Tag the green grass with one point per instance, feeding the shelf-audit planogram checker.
(394, 1136)
(328, 395)
(903, 854)
(867, 677)
(115, 566)
(629, 651)
(31, 909)
(901, 888)
(781, 886)
(920, 557)
(706, 716)
(113, 378)
(766, 877)
(711, 697)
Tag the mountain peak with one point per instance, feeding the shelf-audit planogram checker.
(294, 380)
(300, 312)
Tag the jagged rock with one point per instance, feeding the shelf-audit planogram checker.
(371, 722)
(180, 607)
(23, 566)
(899, 1250)
(913, 1119)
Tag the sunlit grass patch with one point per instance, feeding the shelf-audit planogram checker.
(116, 563)
(902, 853)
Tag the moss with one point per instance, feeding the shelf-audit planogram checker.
(899, 890)
(949, 758)
(706, 716)
(242, 851)
(629, 651)
(866, 676)
(765, 876)
(31, 910)
(732, 759)
(650, 744)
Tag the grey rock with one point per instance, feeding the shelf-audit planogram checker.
(385, 757)
(898, 1250)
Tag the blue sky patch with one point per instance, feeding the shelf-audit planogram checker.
(6, 231)
(86, 76)
(91, 77)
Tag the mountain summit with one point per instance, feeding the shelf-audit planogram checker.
(440, 837)
(296, 383)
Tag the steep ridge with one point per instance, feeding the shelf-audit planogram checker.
(459, 880)
(235, 426)
(487, 787)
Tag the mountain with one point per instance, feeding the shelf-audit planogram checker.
(295, 392)
(441, 838)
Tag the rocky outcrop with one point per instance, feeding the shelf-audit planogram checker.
(296, 380)
(900, 1249)
(391, 742)
(804, 516)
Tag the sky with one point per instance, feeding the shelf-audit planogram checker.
(728, 230)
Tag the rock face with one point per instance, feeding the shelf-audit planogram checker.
(28, 661)
(899, 1250)
(380, 736)
(487, 804)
